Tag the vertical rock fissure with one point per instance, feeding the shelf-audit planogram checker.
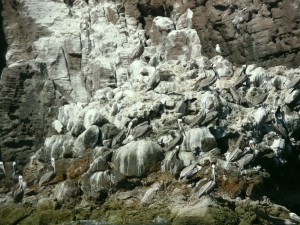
(3, 45)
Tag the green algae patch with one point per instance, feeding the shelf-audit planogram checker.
(48, 217)
(13, 214)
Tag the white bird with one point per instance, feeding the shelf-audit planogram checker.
(220, 50)
(210, 185)
(47, 177)
(15, 177)
(179, 121)
(19, 192)
(2, 168)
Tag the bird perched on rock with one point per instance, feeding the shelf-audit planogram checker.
(294, 217)
(15, 177)
(198, 119)
(235, 95)
(242, 78)
(178, 138)
(210, 185)
(19, 192)
(207, 81)
(189, 171)
(154, 81)
(47, 177)
(247, 159)
(2, 170)
(180, 125)
(141, 129)
(220, 50)
(279, 127)
(172, 163)
(137, 51)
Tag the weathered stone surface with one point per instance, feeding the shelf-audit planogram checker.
(56, 145)
(199, 139)
(138, 158)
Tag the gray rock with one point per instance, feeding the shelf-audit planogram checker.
(138, 158)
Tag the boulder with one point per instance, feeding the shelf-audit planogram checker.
(56, 145)
(138, 158)
(199, 139)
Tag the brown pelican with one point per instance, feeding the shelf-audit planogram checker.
(179, 121)
(209, 117)
(294, 82)
(47, 177)
(198, 119)
(137, 51)
(279, 127)
(189, 171)
(172, 163)
(19, 192)
(259, 99)
(119, 138)
(205, 83)
(15, 177)
(234, 155)
(177, 140)
(235, 95)
(294, 217)
(2, 170)
(210, 185)
(197, 84)
(273, 219)
(242, 78)
(154, 81)
(247, 159)
(141, 130)
(131, 124)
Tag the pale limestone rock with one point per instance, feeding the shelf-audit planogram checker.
(67, 113)
(94, 117)
(199, 139)
(99, 164)
(138, 158)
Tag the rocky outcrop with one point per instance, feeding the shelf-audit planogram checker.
(140, 111)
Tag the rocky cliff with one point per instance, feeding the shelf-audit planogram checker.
(139, 110)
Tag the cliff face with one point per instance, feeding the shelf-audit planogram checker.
(100, 86)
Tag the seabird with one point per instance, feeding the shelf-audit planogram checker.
(273, 219)
(210, 116)
(47, 177)
(15, 177)
(141, 129)
(257, 100)
(189, 171)
(294, 217)
(235, 95)
(179, 121)
(137, 51)
(172, 162)
(234, 155)
(154, 81)
(131, 124)
(210, 185)
(198, 119)
(2, 174)
(19, 192)
(294, 82)
(207, 82)
(247, 159)
(176, 141)
(242, 78)
(220, 50)
(279, 127)
(119, 138)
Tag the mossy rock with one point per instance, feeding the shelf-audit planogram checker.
(13, 214)
(78, 167)
(48, 217)
(214, 216)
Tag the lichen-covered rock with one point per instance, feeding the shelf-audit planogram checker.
(138, 158)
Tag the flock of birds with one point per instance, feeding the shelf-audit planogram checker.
(20, 185)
